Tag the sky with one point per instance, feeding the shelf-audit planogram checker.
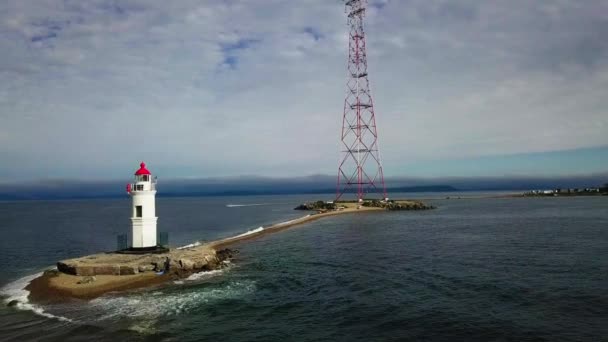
(238, 87)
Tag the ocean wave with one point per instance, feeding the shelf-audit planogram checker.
(260, 229)
(291, 221)
(195, 244)
(169, 302)
(205, 274)
(253, 231)
(16, 291)
(201, 275)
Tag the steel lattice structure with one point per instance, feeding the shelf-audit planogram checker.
(360, 169)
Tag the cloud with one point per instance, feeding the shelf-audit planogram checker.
(241, 87)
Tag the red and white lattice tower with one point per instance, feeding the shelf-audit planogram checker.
(360, 169)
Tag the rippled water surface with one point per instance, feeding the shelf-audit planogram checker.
(474, 269)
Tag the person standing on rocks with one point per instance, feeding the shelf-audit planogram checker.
(167, 264)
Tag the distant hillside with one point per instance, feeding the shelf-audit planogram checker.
(292, 191)
(424, 188)
(255, 185)
(105, 190)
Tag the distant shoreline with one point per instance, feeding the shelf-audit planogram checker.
(4, 198)
(514, 195)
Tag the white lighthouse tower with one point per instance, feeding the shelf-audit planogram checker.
(143, 193)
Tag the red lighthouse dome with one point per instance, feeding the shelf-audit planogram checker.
(142, 170)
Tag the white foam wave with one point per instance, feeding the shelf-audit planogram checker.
(253, 231)
(203, 275)
(198, 276)
(16, 291)
(292, 221)
(245, 205)
(195, 244)
(169, 302)
(145, 327)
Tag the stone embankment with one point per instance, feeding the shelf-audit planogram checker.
(177, 261)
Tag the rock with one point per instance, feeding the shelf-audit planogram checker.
(172, 264)
(224, 254)
(85, 271)
(106, 270)
(186, 264)
(128, 270)
(200, 264)
(146, 268)
(51, 273)
(87, 280)
(65, 268)
(159, 260)
(162, 264)
(302, 206)
(12, 303)
(212, 262)
(157, 267)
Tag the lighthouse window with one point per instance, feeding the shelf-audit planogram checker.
(138, 211)
(145, 178)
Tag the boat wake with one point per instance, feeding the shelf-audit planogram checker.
(292, 221)
(16, 296)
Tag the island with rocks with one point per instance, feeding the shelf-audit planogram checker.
(390, 205)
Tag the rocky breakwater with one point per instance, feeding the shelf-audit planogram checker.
(94, 275)
(181, 262)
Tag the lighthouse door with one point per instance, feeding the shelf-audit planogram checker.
(138, 211)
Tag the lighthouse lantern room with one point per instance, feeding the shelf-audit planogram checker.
(143, 218)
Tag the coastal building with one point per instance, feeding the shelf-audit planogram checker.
(143, 218)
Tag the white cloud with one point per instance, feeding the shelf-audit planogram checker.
(232, 87)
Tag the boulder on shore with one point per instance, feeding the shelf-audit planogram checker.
(186, 264)
(87, 280)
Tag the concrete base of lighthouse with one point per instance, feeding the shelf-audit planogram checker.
(144, 232)
(144, 239)
(145, 250)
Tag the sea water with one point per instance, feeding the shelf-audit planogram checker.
(473, 269)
